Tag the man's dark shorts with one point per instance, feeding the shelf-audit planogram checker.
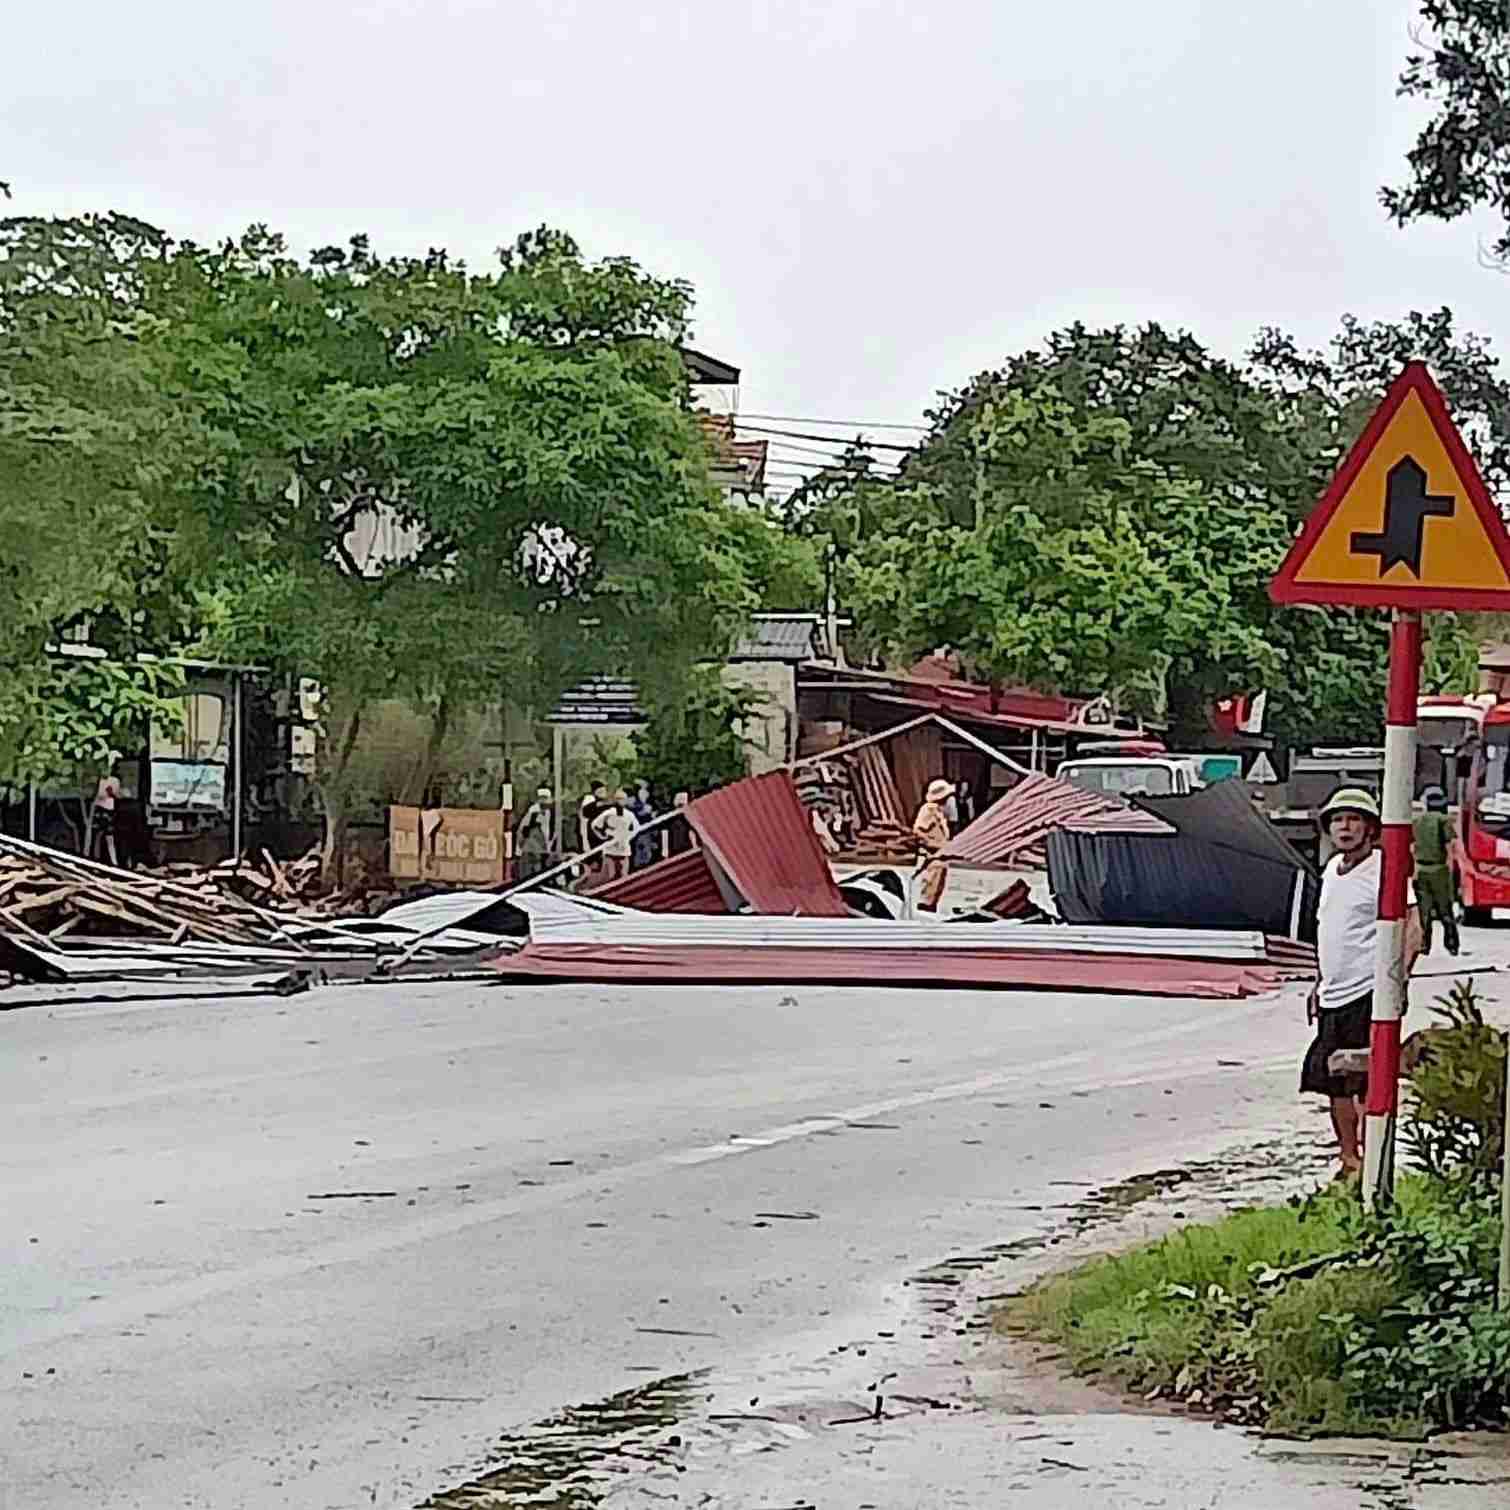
(1341, 1028)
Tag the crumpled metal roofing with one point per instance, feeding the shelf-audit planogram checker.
(682, 883)
(1152, 975)
(556, 918)
(1014, 829)
(758, 832)
(1224, 815)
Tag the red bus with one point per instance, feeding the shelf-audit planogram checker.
(1483, 848)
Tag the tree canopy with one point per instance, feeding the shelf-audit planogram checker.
(1461, 157)
(1104, 514)
(397, 476)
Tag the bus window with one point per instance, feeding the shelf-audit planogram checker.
(1494, 780)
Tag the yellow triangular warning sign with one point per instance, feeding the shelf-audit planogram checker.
(1407, 521)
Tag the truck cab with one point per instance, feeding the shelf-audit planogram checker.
(1133, 775)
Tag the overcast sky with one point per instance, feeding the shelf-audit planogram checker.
(874, 198)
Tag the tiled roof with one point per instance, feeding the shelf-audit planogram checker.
(795, 638)
(746, 457)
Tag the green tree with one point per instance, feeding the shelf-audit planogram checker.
(1045, 552)
(421, 482)
(95, 463)
(692, 741)
(1105, 513)
(1461, 157)
(783, 570)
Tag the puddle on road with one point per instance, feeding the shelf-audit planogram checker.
(571, 1459)
(574, 1459)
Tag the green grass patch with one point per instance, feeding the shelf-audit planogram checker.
(1267, 1316)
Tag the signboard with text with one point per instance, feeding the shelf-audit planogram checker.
(460, 845)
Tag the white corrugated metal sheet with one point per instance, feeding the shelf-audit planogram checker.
(558, 919)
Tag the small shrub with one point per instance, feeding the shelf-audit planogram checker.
(1441, 1350)
(1300, 1344)
(1454, 1120)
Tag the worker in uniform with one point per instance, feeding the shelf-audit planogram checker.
(1433, 838)
(931, 829)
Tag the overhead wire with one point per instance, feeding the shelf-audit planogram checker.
(857, 424)
(793, 446)
(879, 445)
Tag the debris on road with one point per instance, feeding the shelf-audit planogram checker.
(575, 938)
(64, 918)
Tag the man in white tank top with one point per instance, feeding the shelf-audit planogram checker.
(1347, 923)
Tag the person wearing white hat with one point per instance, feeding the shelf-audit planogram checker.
(931, 829)
(534, 835)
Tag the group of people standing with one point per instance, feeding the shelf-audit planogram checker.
(617, 824)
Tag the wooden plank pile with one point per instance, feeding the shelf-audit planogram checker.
(860, 785)
(47, 897)
(64, 918)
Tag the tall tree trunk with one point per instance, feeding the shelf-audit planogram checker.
(419, 779)
(1187, 710)
(335, 801)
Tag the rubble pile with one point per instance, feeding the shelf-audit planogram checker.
(49, 896)
(859, 786)
(63, 917)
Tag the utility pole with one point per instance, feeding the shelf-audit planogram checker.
(1505, 1193)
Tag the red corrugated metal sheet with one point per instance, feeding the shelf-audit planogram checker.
(1111, 973)
(760, 834)
(1012, 831)
(681, 884)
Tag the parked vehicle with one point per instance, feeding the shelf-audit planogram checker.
(1133, 775)
(1482, 853)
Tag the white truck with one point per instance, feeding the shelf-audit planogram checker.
(1134, 775)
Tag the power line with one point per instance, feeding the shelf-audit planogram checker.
(877, 445)
(858, 424)
(791, 445)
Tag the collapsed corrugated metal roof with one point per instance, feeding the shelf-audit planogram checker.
(1223, 866)
(759, 834)
(1013, 830)
(1224, 815)
(684, 883)
(557, 918)
(569, 941)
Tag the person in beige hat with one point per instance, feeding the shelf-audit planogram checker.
(931, 829)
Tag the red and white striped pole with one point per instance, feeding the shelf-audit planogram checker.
(1390, 983)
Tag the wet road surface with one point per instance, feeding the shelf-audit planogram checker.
(328, 1251)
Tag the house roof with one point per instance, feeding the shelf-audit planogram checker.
(600, 700)
(745, 458)
(706, 369)
(790, 637)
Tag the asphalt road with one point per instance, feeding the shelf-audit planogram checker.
(323, 1251)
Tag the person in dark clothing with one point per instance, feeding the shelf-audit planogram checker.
(679, 837)
(593, 806)
(646, 849)
(964, 805)
(1433, 837)
(533, 838)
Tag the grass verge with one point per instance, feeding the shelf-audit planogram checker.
(1291, 1316)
